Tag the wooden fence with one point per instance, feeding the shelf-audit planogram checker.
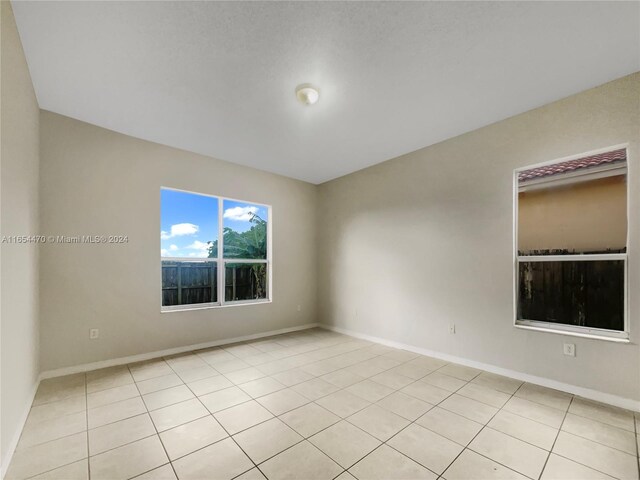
(185, 283)
(585, 293)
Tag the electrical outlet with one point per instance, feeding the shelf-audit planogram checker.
(452, 328)
(299, 308)
(94, 333)
(569, 349)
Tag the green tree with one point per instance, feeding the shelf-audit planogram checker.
(249, 244)
(246, 245)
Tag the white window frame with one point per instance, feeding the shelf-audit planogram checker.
(572, 330)
(221, 261)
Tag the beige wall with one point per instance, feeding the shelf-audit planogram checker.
(98, 182)
(18, 216)
(586, 216)
(416, 243)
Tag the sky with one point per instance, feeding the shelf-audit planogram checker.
(188, 221)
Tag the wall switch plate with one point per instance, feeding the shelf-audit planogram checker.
(452, 328)
(570, 349)
(299, 308)
(94, 333)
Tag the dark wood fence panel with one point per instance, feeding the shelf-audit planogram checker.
(586, 293)
(245, 281)
(185, 283)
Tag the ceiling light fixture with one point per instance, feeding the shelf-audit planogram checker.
(307, 94)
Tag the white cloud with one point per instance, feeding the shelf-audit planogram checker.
(241, 214)
(164, 252)
(179, 230)
(173, 248)
(201, 247)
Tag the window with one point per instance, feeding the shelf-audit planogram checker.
(571, 245)
(214, 251)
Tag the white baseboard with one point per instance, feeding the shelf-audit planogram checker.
(4, 464)
(588, 393)
(59, 372)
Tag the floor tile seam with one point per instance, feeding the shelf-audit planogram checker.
(54, 417)
(474, 437)
(34, 404)
(313, 361)
(544, 404)
(226, 431)
(290, 410)
(151, 470)
(604, 423)
(168, 404)
(166, 453)
(463, 379)
(334, 460)
(52, 469)
(414, 422)
(116, 401)
(586, 466)
(123, 445)
(41, 444)
(342, 368)
(55, 439)
(107, 388)
(555, 439)
(161, 389)
(385, 442)
(603, 444)
(312, 401)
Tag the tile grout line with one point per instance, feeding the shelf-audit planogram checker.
(466, 447)
(278, 416)
(221, 426)
(316, 376)
(555, 439)
(65, 436)
(154, 427)
(486, 425)
(313, 401)
(434, 406)
(163, 360)
(376, 403)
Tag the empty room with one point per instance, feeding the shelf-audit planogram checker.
(319, 240)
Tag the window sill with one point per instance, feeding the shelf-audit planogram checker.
(593, 336)
(209, 306)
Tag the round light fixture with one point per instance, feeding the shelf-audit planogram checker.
(307, 94)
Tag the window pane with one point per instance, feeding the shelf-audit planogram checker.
(245, 230)
(245, 281)
(588, 293)
(186, 283)
(575, 206)
(188, 224)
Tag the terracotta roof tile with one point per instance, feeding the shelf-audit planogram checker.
(591, 161)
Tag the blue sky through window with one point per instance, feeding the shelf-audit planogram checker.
(237, 214)
(189, 220)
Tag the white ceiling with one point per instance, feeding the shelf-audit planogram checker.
(218, 78)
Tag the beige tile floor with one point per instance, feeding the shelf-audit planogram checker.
(316, 405)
